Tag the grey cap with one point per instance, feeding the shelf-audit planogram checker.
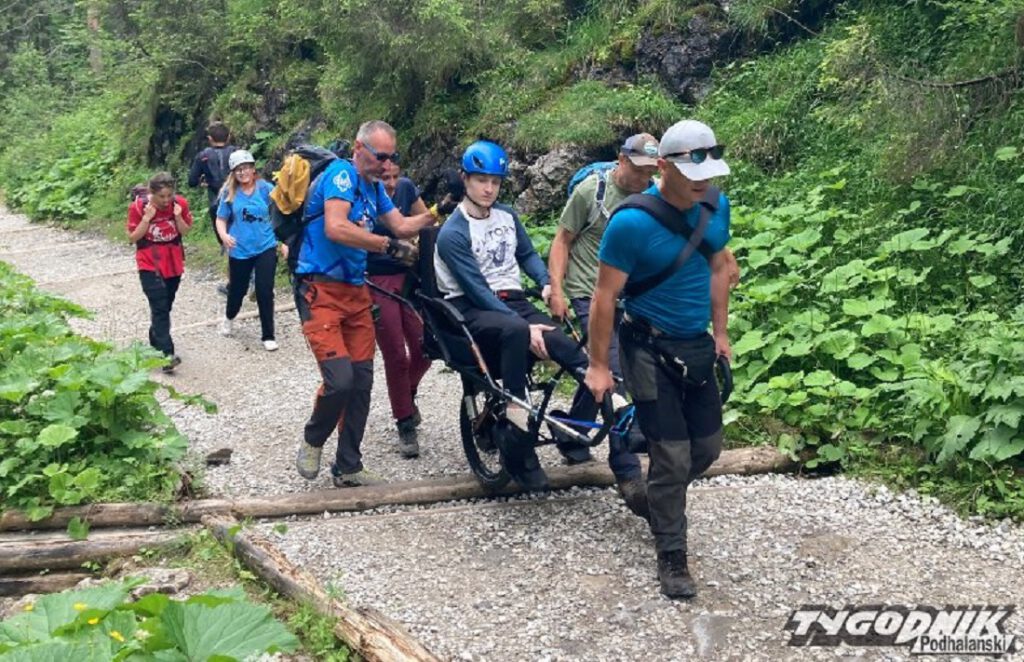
(642, 149)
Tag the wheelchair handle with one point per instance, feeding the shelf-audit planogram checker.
(725, 372)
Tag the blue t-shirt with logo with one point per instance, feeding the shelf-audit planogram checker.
(636, 243)
(320, 255)
(406, 195)
(248, 220)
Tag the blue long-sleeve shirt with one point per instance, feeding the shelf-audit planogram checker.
(475, 258)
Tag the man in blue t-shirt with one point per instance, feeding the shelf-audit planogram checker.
(666, 353)
(345, 203)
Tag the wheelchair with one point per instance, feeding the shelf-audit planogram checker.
(482, 407)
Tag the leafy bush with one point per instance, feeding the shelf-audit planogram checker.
(79, 421)
(101, 624)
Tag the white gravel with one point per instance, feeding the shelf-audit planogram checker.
(563, 577)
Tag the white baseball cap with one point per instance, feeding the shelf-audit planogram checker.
(688, 140)
(240, 157)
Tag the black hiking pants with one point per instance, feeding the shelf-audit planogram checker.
(160, 293)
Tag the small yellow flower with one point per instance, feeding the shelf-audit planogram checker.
(80, 606)
(29, 607)
(117, 635)
(93, 621)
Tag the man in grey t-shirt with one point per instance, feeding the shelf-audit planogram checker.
(572, 265)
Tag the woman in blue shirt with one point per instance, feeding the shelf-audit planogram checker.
(243, 225)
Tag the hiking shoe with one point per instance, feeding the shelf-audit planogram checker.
(173, 363)
(226, 327)
(359, 479)
(270, 345)
(416, 418)
(634, 493)
(531, 476)
(222, 289)
(308, 460)
(408, 442)
(674, 576)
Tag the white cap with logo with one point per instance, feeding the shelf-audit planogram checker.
(691, 146)
(240, 157)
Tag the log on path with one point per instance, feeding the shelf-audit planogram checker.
(371, 634)
(756, 460)
(49, 583)
(59, 553)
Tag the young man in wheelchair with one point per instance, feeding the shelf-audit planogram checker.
(481, 251)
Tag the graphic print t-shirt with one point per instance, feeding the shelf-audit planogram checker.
(164, 253)
(494, 246)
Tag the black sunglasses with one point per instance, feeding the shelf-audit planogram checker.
(383, 156)
(698, 155)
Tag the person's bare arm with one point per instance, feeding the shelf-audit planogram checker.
(407, 226)
(610, 282)
(558, 260)
(720, 276)
(341, 230)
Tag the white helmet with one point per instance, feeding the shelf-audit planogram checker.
(240, 157)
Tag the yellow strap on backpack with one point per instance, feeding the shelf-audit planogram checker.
(292, 183)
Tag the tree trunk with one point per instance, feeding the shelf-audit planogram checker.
(52, 583)
(366, 631)
(61, 552)
(418, 492)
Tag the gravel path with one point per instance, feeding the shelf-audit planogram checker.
(564, 577)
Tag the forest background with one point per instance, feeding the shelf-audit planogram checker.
(877, 150)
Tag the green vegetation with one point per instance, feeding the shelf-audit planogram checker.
(79, 421)
(102, 624)
(877, 155)
(880, 321)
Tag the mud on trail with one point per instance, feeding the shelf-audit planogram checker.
(567, 576)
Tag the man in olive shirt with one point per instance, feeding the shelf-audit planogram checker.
(573, 268)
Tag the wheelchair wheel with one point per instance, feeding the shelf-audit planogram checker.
(477, 423)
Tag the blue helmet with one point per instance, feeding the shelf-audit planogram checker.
(485, 158)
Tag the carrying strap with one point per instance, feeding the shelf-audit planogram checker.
(675, 221)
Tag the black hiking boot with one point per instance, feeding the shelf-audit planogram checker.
(408, 440)
(634, 493)
(520, 458)
(674, 576)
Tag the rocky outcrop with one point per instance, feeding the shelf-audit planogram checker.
(545, 180)
(683, 59)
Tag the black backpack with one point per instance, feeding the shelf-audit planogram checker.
(289, 225)
(217, 159)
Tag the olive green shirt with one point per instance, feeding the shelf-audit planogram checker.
(581, 271)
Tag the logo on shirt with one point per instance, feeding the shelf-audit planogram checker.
(343, 181)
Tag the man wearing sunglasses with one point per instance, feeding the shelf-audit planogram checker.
(667, 355)
(344, 204)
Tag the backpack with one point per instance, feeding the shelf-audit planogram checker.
(601, 169)
(217, 159)
(300, 171)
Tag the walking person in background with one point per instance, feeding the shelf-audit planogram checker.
(156, 224)
(399, 330)
(243, 226)
(210, 169)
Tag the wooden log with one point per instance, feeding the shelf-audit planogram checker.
(50, 583)
(62, 553)
(418, 492)
(371, 634)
